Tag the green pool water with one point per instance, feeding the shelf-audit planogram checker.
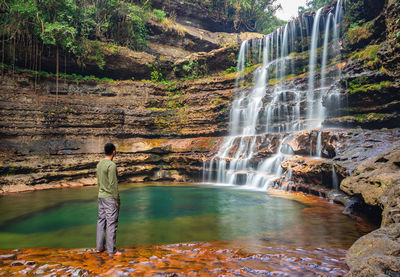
(167, 214)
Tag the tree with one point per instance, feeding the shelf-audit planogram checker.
(312, 5)
(60, 35)
(248, 15)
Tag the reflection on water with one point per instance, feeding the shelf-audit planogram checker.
(165, 214)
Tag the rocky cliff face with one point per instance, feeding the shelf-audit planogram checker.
(162, 131)
(371, 70)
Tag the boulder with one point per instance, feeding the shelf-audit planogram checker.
(377, 180)
(375, 176)
(376, 254)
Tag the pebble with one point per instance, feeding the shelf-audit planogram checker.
(30, 262)
(77, 273)
(147, 264)
(121, 273)
(18, 263)
(153, 258)
(8, 257)
(26, 271)
(42, 269)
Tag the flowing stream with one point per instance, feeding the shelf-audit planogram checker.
(274, 102)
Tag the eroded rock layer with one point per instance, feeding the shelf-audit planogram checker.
(162, 132)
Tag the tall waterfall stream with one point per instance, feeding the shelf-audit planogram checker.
(272, 103)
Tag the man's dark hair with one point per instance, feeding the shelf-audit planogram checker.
(109, 148)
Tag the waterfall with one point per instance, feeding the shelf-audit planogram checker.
(266, 112)
(335, 181)
(334, 99)
(311, 116)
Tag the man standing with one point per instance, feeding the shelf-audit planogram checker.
(107, 221)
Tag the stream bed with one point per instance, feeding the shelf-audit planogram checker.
(177, 230)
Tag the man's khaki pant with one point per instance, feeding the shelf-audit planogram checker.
(107, 224)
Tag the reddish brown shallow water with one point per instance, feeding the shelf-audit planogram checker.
(304, 248)
(187, 259)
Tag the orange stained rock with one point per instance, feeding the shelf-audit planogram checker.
(186, 259)
(341, 66)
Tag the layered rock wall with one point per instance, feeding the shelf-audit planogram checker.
(162, 131)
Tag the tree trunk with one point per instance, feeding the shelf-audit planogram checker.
(35, 62)
(57, 68)
(2, 55)
(65, 69)
(13, 58)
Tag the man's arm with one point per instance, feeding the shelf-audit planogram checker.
(97, 174)
(112, 177)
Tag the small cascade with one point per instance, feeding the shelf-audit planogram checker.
(335, 180)
(269, 109)
(318, 147)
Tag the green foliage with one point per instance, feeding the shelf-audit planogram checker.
(95, 53)
(370, 116)
(231, 69)
(71, 24)
(312, 5)
(359, 32)
(247, 15)
(194, 70)
(159, 15)
(156, 76)
(369, 56)
(76, 77)
(354, 12)
(133, 33)
(361, 85)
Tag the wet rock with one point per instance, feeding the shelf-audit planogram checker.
(345, 200)
(352, 205)
(391, 203)
(121, 273)
(374, 176)
(377, 180)
(305, 142)
(375, 253)
(313, 171)
(42, 269)
(129, 269)
(8, 257)
(150, 264)
(18, 263)
(358, 145)
(77, 273)
(30, 263)
(26, 271)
